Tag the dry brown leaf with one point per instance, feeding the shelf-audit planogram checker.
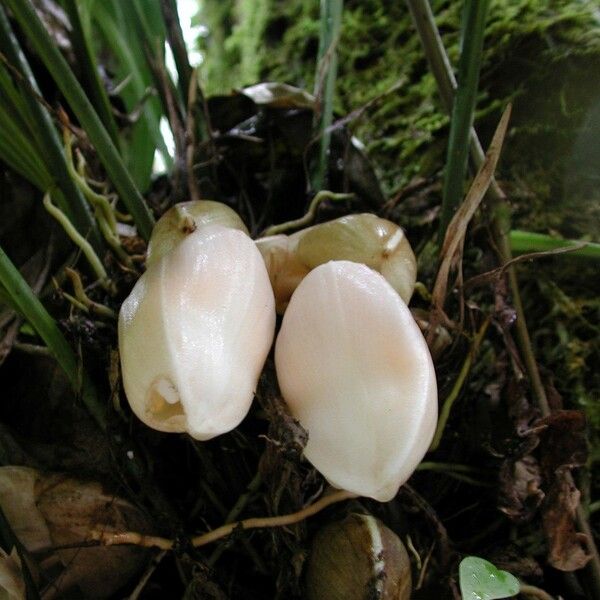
(563, 441)
(566, 547)
(455, 234)
(563, 445)
(520, 493)
(12, 584)
(48, 511)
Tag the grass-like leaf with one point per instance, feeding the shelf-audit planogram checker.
(125, 39)
(83, 109)
(29, 142)
(473, 26)
(21, 298)
(30, 308)
(81, 38)
(524, 242)
(331, 23)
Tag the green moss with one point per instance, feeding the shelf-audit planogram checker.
(543, 56)
(217, 74)
(246, 39)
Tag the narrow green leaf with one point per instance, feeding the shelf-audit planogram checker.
(13, 102)
(83, 48)
(19, 152)
(31, 309)
(473, 26)
(42, 129)
(331, 24)
(81, 106)
(121, 36)
(524, 242)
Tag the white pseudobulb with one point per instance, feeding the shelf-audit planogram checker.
(195, 332)
(184, 218)
(356, 372)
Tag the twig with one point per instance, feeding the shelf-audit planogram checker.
(8, 341)
(33, 349)
(423, 569)
(527, 241)
(459, 474)
(174, 115)
(444, 541)
(499, 272)
(411, 547)
(149, 541)
(177, 43)
(139, 588)
(455, 234)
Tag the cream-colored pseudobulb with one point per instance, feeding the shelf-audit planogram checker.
(184, 218)
(286, 271)
(195, 332)
(363, 238)
(356, 372)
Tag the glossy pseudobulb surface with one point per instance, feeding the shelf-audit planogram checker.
(195, 332)
(286, 271)
(356, 372)
(184, 218)
(362, 238)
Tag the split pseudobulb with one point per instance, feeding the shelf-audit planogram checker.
(195, 332)
(356, 372)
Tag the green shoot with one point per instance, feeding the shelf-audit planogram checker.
(331, 22)
(463, 109)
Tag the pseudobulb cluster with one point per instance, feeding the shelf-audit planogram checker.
(351, 362)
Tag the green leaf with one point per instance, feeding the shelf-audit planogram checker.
(473, 28)
(524, 242)
(45, 164)
(39, 38)
(481, 580)
(25, 302)
(121, 38)
(331, 24)
(81, 38)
